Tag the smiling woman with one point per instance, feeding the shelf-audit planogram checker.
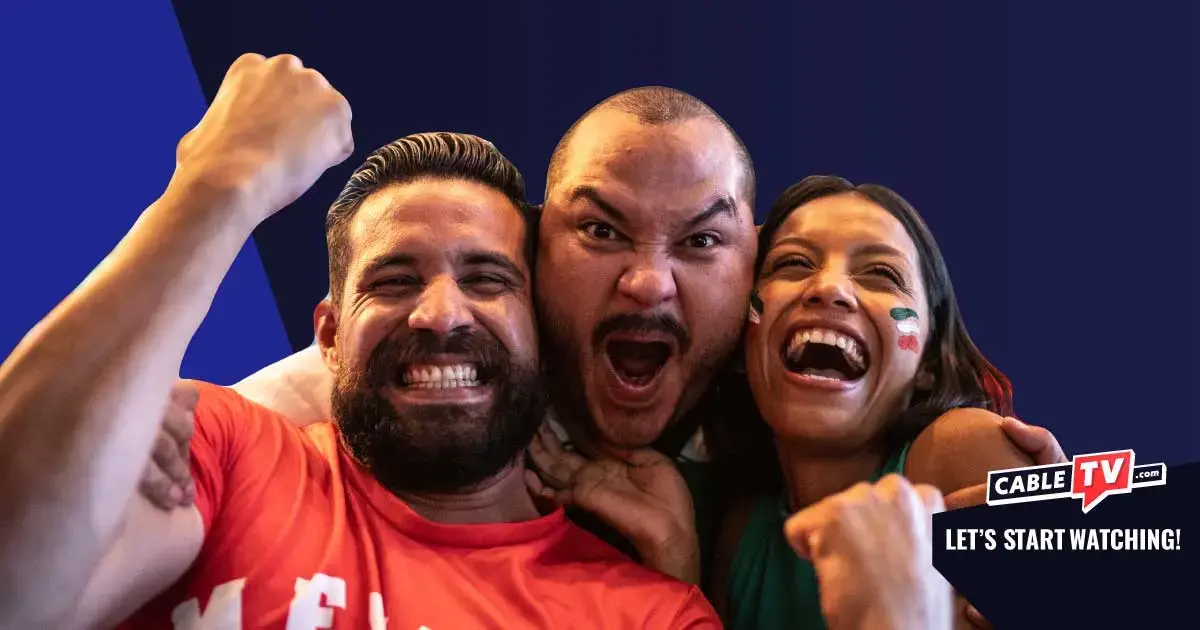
(860, 366)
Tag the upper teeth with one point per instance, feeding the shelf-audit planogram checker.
(850, 346)
(441, 376)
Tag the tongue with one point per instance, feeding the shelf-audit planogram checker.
(636, 361)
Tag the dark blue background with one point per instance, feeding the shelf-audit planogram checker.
(1051, 148)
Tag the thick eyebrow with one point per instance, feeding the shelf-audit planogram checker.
(481, 257)
(721, 206)
(590, 194)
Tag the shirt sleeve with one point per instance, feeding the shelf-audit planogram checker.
(696, 613)
(224, 424)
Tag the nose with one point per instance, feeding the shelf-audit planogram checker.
(649, 282)
(441, 308)
(832, 289)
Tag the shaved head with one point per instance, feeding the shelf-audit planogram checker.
(655, 106)
(645, 264)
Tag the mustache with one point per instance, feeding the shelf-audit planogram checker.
(639, 323)
(419, 346)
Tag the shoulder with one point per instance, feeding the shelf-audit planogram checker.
(219, 413)
(227, 423)
(230, 401)
(959, 448)
(695, 613)
(220, 405)
(607, 564)
(576, 542)
(216, 398)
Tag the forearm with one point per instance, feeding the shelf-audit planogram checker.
(82, 395)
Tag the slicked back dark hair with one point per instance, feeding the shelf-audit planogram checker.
(437, 155)
(656, 105)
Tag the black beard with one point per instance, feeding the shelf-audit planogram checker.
(437, 448)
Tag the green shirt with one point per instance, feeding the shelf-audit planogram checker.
(769, 586)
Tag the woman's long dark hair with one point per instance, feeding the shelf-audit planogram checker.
(742, 443)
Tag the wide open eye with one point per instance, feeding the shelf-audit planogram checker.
(600, 231)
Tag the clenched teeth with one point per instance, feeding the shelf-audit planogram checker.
(441, 376)
(849, 346)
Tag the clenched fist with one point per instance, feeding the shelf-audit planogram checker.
(872, 549)
(273, 128)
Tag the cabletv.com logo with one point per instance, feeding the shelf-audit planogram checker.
(1089, 477)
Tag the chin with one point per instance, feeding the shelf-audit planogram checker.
(631, 428)
(629, 417)
(832, 428)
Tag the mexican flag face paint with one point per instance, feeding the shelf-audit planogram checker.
(906, 323)
(756, 308)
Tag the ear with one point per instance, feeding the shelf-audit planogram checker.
(325, 322)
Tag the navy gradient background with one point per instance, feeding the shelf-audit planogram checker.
(1050, 146)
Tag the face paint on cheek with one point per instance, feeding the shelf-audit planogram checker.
(907, 324)
(756, 308)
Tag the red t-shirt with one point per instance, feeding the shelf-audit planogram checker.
(299, 537)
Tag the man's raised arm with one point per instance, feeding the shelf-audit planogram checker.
(82, 396)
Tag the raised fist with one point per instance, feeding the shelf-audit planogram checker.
(273, 128)
(872, 549)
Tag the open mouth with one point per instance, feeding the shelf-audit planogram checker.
(637, 363)
(823, 354)
(461, 375)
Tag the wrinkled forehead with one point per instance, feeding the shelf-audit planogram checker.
(668, 167)
(436, 220)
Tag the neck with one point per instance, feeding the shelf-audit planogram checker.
(809, 477)
(501, 498)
